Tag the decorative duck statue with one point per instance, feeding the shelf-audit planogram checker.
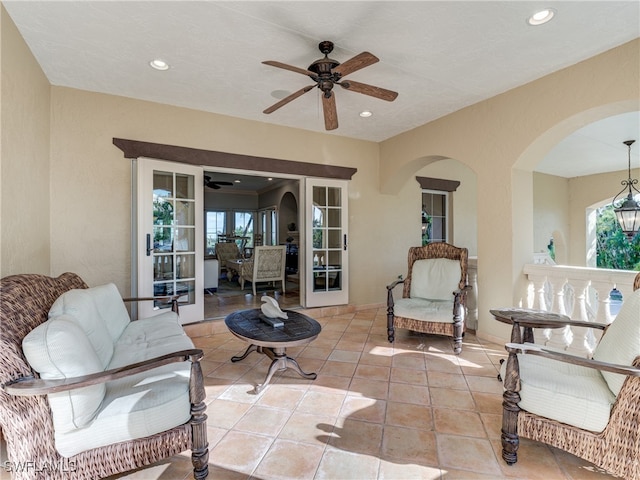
(271, 309)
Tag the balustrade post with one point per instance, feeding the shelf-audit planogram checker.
(580, 345)
(539, 299)
(558, 337)
(603, 314)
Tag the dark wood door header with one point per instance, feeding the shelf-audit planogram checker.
(441, 184)
(210, 158)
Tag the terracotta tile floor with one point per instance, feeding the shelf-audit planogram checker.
(376, 411)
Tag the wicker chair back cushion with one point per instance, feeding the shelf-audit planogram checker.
(435, 278)
(621, 342)
(59, 349)
(99, 301)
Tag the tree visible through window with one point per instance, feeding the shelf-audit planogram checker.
(613, 249)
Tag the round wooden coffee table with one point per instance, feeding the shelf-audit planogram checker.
(272, 341)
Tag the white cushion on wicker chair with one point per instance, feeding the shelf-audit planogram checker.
(133, 407)
(435, 278)
(78, 339)
(568, 393)
(59, 349)
(80, 306)
(621, 342)
(422, 309)
(149, 338)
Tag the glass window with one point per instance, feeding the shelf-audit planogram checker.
(214, 226)
(243, 229)
(434, 216)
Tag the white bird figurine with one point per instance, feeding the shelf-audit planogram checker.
(271, 309)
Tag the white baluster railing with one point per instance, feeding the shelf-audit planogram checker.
(579, 292)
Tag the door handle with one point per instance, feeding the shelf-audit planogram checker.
(345, 241)
(149, 249)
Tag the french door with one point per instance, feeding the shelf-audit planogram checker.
(170, 237)
(326, 242)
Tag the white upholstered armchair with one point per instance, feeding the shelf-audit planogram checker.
(266, 265)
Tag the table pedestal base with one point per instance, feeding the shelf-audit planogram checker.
(280, 363)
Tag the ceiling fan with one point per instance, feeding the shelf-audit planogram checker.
(208, 182)
(327, 72)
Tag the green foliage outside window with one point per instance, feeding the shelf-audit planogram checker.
(614, 250)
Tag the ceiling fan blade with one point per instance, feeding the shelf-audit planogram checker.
(361, 60)
(290, 68)
(286, 100)
(330, 111)
(377, 92)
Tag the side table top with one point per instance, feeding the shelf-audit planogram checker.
(506, 315)
(297, 329)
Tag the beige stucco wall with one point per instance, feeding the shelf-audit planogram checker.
(551, 215)
(24, 157)
(502, 139)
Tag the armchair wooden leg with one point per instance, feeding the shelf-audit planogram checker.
(199, 443)
(390, 328)
(458, 324)
(390, 315)
(510, 409)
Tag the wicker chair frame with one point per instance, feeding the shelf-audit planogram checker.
(25, 419)
(456, 328)
(616, 449)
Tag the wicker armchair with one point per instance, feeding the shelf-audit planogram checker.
(589, 407)
(434, 293)
(266, 265)
(226, 251)
(25, 414)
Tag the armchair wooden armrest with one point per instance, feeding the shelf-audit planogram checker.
(532, 349)
(173, 299)
(393, 285)
(523, 321)
(26, 386)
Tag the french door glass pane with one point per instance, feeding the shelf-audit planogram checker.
(327, 238)
(174, 242)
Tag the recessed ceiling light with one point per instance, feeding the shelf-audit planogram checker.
(159, 64)
(270, 179)
(365, 114)
(541, 17)
(236, 181)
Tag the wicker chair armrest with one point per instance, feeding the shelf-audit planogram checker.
(35, 386)
(533, 349)
(555, 324)
(393, 285)
(171, 299)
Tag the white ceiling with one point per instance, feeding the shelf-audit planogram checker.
(439, 56)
